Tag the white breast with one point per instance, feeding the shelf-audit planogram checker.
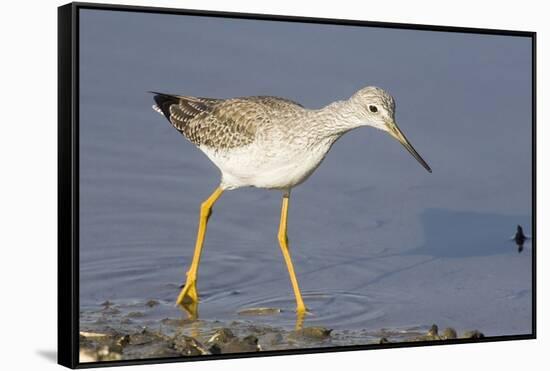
(274, 168)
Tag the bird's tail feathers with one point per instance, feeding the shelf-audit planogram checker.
(163, 102)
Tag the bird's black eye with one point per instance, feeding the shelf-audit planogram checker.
(373, 109)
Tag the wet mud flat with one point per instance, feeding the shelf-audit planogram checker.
(123, 332)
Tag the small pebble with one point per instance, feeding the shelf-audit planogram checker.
(152, 303)
(215, 349)
(247, 344)
(123, 340)
(473, 334)
(135, 314)
(271, 338)
(222, 335)
(313, 332)
(107, 304)
(449, 333)
(259, 311)
(189, 346)
(433, 331)
(232, 344)
(111, 310)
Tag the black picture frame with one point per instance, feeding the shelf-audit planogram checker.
(68, 178)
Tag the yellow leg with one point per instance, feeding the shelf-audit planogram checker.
(188, 296)
(283, 242)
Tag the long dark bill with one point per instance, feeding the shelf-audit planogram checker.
(398, 134)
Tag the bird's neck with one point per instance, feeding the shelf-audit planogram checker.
(335, 119)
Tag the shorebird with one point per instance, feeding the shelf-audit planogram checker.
(269, 142)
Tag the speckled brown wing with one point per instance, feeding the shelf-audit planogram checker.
(221, 123)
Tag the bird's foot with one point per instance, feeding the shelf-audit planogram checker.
(188, 295)
(188, 299)
(302, 310)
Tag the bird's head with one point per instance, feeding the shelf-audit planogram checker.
(374, 107)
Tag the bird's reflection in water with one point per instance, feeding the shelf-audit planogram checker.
(299, 325)
(191, 308)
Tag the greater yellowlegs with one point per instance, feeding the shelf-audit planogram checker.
(269, 142)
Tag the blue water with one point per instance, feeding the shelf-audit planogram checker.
(376, 240)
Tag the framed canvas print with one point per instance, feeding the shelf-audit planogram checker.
(236, 185)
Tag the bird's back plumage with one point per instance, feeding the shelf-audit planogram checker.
(221, 123)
